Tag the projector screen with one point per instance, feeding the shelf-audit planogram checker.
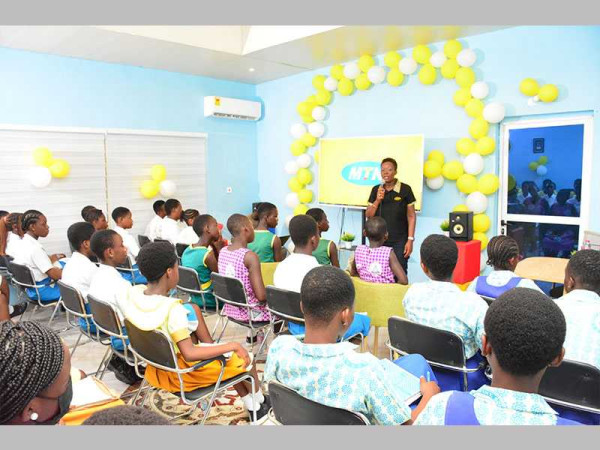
(350, 167)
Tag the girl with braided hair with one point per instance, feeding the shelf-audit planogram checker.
(35, 381)
(188, 236)
(503, 256)
(15, 233)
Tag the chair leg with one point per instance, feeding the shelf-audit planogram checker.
(54, 312)
(465, 382)
(223, 329)
(376, 342)
(139, 391)
(103, 364)
(77, 343)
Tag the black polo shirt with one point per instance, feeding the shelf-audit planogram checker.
(393, 210)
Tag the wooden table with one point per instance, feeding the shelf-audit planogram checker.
(542, 268)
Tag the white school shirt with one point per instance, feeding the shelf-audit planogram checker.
(153, 228)
(187, 236)
(109, 286)
(79, 272)
(129, 241)
(32, 254)
(13, 244)
(169, 230)
(290, 272)
(500, 278)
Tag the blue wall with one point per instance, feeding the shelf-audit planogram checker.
(46, 90)
(566, 56)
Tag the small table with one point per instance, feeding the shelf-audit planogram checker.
(543, 268)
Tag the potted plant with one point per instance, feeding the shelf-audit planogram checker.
(445, 226)
(347, 238)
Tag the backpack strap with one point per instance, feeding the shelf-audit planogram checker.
(460, 409)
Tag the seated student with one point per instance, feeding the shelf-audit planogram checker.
(188, 236)
(238, 261)
(153, 228)
(149, 308)
(441, 304)
(326, 252)
(333, 373)
(266, 244)
(562, 207)
(126, 415)
(290, 273)
(8, 311)
(524, 335)
(201, 257)
(15, 233)
(85, 210)
(97, 218)
(377, 263)
(169, 228)
(575, 196)
(35, 369)
(46, 269)
(124, 222)
(503, 256)
(549, 192)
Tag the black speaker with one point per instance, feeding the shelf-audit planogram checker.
(461, 226)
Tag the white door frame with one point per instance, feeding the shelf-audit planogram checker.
(586, 176)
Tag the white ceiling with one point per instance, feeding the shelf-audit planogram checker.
(227, 52)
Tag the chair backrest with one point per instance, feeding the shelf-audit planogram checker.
(436, 346)
(290, 408)
(180, 248)
(21, 274)
(161, 240)
(4, 260)
(72, 298)
(105, 315)
(126, 265)
(143, 240)
(188, 280)
(380, 300)
(229, 289)
(572, 382)
(153, 346)
(285, 304)
(267, 271)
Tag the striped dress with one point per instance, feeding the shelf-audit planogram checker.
(373, 264)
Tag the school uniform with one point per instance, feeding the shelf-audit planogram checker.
(132, 251)
(153, 228)
(13, 244)
(78, 273)
(195, 258)
(323, 252)
(187, 236)
(169, 230)
(498, 282)
(263, 245)
(32, 254)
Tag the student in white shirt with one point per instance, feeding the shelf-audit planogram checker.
(188, 236)
(96, 217)
(15, 234)
(124, 222)
(153, 228)
(169, 229)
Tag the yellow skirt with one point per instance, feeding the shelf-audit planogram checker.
(202, 377)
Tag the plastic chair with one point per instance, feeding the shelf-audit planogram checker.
(143, 240)
(179, 249)
(268, 271)
(290, 408)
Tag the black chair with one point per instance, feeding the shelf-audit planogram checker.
(161, 240)
(190, 284)
(441, 348)
(290, 408)
(157, 350)
(285, 304)
(127, 267)
(179, 249)
(230, 290)
(143, 240)
(4, 260)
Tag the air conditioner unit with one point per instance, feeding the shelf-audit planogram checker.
(231, 108)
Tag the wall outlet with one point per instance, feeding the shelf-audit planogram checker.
(229, 189)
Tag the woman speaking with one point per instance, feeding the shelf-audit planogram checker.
(395, 202)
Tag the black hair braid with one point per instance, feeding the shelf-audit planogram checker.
(500, 250)
(31, 357)
(13, 220)
(30, 217)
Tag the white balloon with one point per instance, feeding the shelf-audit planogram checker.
(303, 160)
(351, 70)
(291, 200)
(494, 112)
(477, 202)
(40, 177)
(473, 164)
(376, 74)
(466, 57)
(542, 170)
(330, 84)
(438, 59)
(318, 113)
(167, 188)
(298, 130)
(480, 89)
(317, 129)
(287, 220)
(407, 65)
(435, 183)
(291, 167)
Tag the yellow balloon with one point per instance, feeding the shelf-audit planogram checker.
(323, 97)
(436, 155)
(529, 87)
(337, 71)
(158, 172)
(308, 139)
(42, 156)
(304, 176)
(465, 146)
(452, 170)
(449, 69)
(548, 93)
(395, 77)
(488, 184)
(485, 146)
(465, 77)
(479, 128)
(466, 183)
(482, 238)
(533, 165)
(543, 160)
(391, 59)
(462, 97)
(452, 48)
(307, 119)
(474, 108)
(312, 101)
(365, 62)
(149, 188)
(432, 169)
(59, 168)
(318, 81)
(362, 82)
(427, 74)
(460, 208)
(300, 209)
(294, 184)
(305, 196)
(298, 147)
(481, 223)
(345, 87)
(421, 54)
(304, 108)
